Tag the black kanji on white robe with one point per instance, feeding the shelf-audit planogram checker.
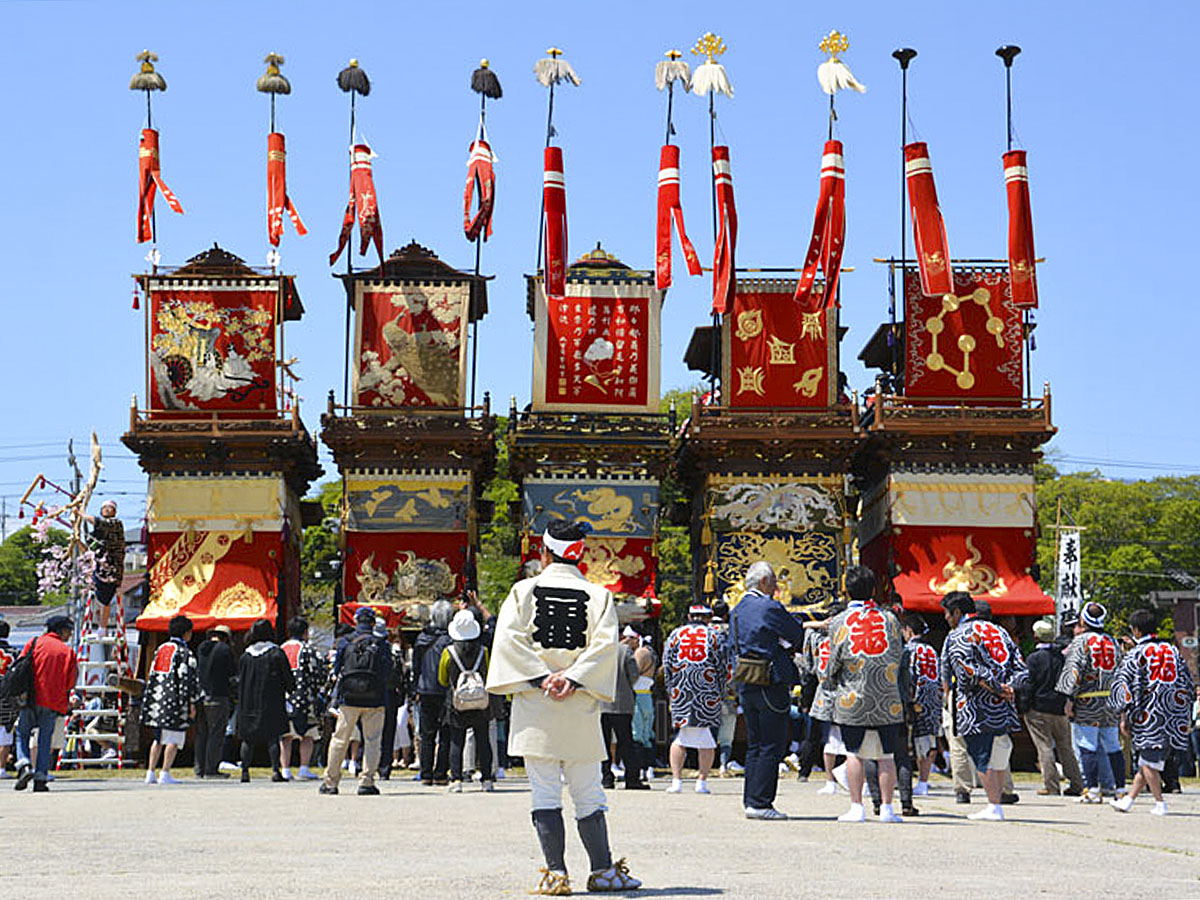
(560, 617)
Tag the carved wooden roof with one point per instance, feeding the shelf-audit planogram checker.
(414, 263)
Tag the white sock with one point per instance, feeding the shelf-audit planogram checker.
(995, 807)
(286, 772)
(922, 784)
(885, 810)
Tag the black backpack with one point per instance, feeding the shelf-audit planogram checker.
(362, 671)
(17, 683)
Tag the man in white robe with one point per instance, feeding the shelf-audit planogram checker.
(555, 653)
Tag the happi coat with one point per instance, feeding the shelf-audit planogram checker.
(1155, 691)
(696, 666)
(814, 661)
(172, 687)
(556, 621)
(925, 686)
(264, 681)
(979, 655)
(863, 676)
(1087, 678)
(309, 672)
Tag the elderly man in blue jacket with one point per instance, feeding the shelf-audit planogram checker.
(760, 627)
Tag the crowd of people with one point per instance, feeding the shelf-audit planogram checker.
(555, 682)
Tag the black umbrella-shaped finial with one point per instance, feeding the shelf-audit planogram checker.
(1008, 53)
(354, 78)
(484, 81)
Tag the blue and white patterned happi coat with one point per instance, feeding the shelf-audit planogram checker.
(1154, 689)
(697, 666)
(979, 653)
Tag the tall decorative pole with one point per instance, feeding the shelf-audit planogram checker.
(150, 177)
(666, 73)
(273, 82)
(711, 78)
(481, 176)
(1021, 257)
(903, 56)
(552, 70)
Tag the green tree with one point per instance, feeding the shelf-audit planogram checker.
(1140, 536)
(499, 560)
(19, 556)
(320, 555)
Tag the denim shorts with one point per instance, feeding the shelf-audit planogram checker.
(1092, 738)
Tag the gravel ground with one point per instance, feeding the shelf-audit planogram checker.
(94, 837)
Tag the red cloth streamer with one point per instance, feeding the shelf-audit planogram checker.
(724, 275)
(554, 198)
(828, 236)
(150, 178)
(481, 172)
(362, 199)
(929, 230)
(277, 195)
(1021, 266)
(669, 207)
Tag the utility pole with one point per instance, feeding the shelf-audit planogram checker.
(3, 519)
(76, 599)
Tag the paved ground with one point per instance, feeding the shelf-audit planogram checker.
(98, 838)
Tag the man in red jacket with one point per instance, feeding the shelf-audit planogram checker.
(54, 672)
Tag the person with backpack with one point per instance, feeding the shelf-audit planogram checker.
(462, 671)
(431, 695)
(50, 669)
(362, 666)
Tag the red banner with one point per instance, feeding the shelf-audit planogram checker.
(623, 565)
(212, 577)
(410, 346)
(724, 267)
(395, 568)
(598, 348)
(365, 202)
(213, 349)
(1021, 265)
(149, 180)
(554, 202)
(929, 229)
(828, 236)
(277, 196)
(670, 208)
(989, 563)
(481, 171)
(778, 355)
(965, 345)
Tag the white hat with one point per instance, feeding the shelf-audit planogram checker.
(464, 626)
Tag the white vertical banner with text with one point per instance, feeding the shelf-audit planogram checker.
(1068, 590)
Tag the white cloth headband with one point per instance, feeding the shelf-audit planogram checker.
(570, 550)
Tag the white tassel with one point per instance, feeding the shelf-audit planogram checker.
(835, 76)
(710, 76)
(552, 70)
(671, 70)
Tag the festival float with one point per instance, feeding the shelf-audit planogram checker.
(766, 451)
(412, 447)
(592, 446)
(220, 434)
(953, 430)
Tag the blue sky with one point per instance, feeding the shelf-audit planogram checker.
(1097, 98)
